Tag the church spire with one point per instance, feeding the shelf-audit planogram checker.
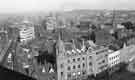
(60, 46)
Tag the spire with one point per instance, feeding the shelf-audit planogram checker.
(60, 46)
(124, 45)
(83, 45)
(60, 35)
(73, 42)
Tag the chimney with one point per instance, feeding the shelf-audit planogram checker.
(124, 45)
(83, 43)
(83, 46)
(73, 42)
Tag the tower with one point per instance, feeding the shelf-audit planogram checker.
(60, 50)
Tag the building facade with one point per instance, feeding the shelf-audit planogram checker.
(113, 60)
(51, 23)
(73, 63)
(26, 31)
(99, 59)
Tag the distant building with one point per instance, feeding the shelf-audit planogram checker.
(84, 25)
(103, 37)
(26, 31)
(3, 36)
(119, 26)
(51, 23)
(127, 53)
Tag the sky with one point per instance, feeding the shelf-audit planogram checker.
(7, 6)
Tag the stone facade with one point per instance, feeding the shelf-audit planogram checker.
(78, 64)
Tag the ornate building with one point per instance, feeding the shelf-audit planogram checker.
(78, 63)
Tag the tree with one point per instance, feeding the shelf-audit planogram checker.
(128, 25)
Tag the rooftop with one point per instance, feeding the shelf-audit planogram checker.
(68, 46)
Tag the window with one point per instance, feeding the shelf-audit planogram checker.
(73, 67)
(69, 68)
(61, 73)
(90, 70)
(73, 60)
(83, 65)
(83, 58)
(103, 61)
(68, 61)
(61, 65)
(84, 72)
(90, 57)
(79, 73)
(90, 63)
(69, 75)
(110, 58)
(112, 63)
(78, 59)
(79, 66)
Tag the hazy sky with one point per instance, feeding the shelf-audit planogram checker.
(45, 5)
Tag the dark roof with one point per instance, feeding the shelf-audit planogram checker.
(103, 37)
(68, 46)
(7, 74)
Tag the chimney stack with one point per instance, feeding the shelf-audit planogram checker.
(73, 42)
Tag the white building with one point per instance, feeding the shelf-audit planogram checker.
(51, 23)
(26, 31)
(119, 26)
(113, 60)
